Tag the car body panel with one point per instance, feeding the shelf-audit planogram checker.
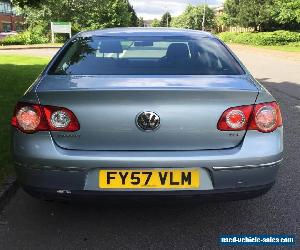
(41, 163)
(144, 32)
(108, 82)
(28, 148)
(107, 107)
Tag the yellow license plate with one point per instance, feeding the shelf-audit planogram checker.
(150, 179)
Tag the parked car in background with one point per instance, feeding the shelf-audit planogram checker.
(146, 112)
(5, 34)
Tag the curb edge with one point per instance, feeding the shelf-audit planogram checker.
(7, 190)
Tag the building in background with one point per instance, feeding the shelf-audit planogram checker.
(219, 10)
(9, 20)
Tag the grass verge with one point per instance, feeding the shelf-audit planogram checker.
(284, 48)
(16, 75)
(31, 46)
(287, 48)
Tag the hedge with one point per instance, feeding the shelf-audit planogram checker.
(30, 36)
(280, 37)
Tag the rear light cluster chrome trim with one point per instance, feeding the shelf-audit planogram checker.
(249, 166)
(252, 118)
(44, 114)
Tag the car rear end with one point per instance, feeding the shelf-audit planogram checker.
(77, 132)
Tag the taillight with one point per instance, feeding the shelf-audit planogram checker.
(30, 118)
(264, 117)
(61, 119)
(235, 119)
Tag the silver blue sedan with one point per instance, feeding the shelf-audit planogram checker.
(141, 111)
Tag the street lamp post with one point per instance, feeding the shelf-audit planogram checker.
(204, 13)
(166, 11)
(167, 21)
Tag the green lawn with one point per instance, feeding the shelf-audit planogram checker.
(287, 48)
(43, 45)
(16, 75)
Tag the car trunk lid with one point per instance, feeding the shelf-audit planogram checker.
(189, 108)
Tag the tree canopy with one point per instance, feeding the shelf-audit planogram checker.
(287, 12)
(134, 20)
(192, 18)
(155, 23)
(84, 14)
(166, 20)
(141, 22)
(263, 14)
(30, 3)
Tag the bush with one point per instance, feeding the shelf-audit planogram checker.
(297, 44)
(31, 36)
(280, 37)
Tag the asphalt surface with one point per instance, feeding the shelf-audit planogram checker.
(27, 223)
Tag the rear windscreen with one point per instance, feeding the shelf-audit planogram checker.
(145, 56)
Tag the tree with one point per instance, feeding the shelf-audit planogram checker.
(263, 15)
(155, 23)
(84, 14)
(141, 22)
(222, 21)
(231, 10)
(192, 18)
(255, 13)
(287, 13)
(28, 3)
(134, 19)
(166, 20)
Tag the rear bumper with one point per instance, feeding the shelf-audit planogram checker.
(42, 165)
(77, 180)
(221, 194)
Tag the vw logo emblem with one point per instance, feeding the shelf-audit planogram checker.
(148, 121)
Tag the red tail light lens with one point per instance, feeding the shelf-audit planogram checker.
(30, 118)
(264, 117)
(61, 119)
(235, 119)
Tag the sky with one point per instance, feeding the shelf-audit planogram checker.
(150, 9)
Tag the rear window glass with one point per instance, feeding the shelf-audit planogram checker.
(145, 56)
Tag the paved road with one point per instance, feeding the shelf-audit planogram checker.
(27, 223)
(29, 52)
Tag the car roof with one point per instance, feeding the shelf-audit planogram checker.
(142, 31)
